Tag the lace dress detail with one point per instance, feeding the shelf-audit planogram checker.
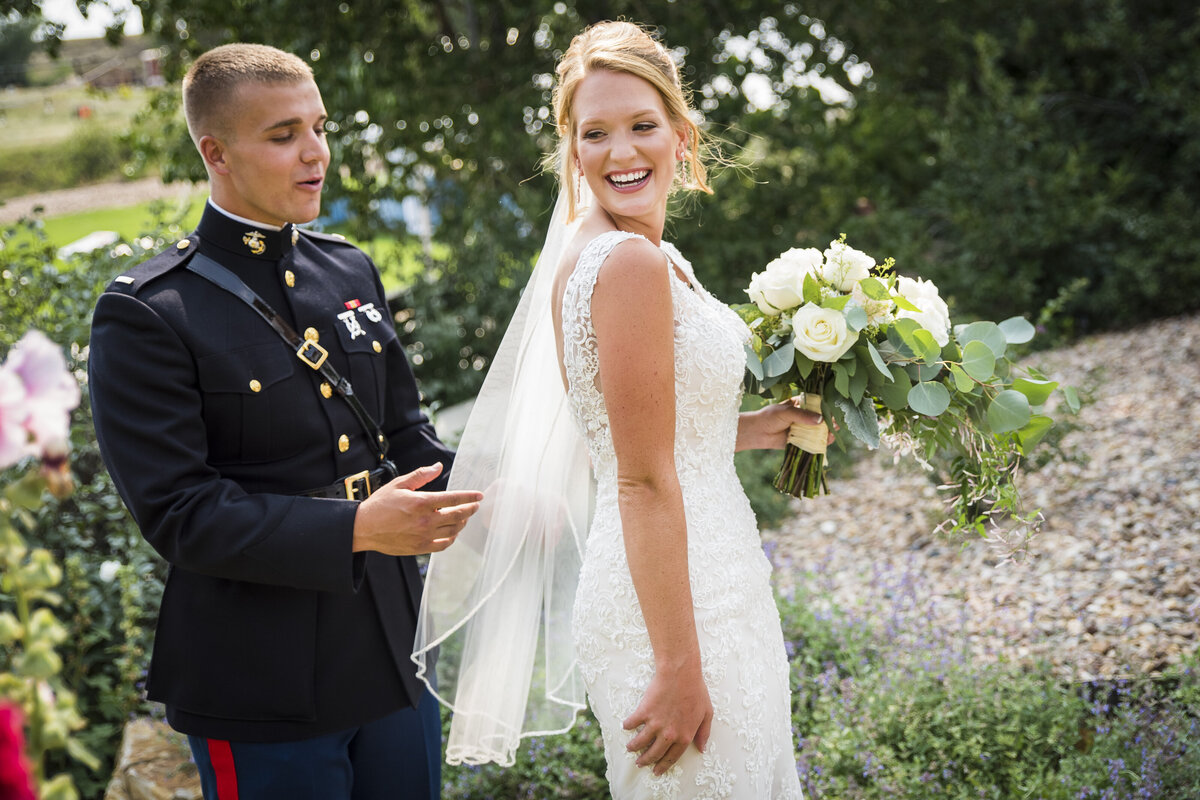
(750, 754)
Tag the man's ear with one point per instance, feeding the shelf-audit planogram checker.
(213, 151)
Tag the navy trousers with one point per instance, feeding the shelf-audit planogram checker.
(398, 757)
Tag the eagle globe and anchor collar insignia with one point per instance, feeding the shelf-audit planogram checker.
(254, 240)
(244, 238)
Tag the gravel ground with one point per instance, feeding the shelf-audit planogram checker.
(1109, 587)
(86, 198)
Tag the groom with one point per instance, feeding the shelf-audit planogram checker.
(258, 463)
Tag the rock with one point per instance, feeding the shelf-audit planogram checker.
(154, 763)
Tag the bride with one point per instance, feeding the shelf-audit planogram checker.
(660, 608)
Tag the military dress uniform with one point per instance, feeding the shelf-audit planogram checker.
(271, 629)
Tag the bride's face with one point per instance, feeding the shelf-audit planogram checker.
(626, 146)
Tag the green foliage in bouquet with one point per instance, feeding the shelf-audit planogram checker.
(881, 354)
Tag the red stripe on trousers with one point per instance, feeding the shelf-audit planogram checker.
(221, 755)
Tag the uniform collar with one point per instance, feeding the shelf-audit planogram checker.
(245, 237)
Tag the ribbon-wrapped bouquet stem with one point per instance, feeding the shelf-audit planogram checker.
(877, 353)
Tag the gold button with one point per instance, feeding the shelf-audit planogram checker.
(255, 386)
(378, 347)
(343, 443)
(311, 335)
(326, 390)
(289, 278)
(183, 244)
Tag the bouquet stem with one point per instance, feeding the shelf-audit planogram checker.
(802, 473)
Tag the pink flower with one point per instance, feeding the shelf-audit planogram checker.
(14, 410)
(37, 393)
(14, 766)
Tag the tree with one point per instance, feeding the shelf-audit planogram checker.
(16, 46)
(1027, 157)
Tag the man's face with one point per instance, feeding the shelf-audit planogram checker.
(271, 163)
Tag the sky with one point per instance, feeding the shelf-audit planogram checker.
(78, 28)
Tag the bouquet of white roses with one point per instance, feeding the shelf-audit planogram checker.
(877, 353)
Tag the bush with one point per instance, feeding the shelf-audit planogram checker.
(887, 706)
(113, 579)
(93, 154)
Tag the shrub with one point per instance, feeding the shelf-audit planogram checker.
(108, 608)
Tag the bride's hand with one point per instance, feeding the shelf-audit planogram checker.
(675, 712)
(767, 428)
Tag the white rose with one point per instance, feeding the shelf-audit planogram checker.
(781, 285)
(108, 570)
(878, 311)
(821, 333)
(844, 266)
(934, 315)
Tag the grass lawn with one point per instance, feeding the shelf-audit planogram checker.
(129, 222)
(49, 115)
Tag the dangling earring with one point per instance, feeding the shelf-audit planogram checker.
(577, 184)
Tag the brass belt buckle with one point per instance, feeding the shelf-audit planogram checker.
(352, 488)
(312, 354)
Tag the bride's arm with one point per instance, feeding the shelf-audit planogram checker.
(767, 428)
(632, 316)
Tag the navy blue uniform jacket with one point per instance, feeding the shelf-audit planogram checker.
(271, 628)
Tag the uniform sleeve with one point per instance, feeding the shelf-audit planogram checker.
(146, 405)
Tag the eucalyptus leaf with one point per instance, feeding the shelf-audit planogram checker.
(878, 361)
(1034, 430)
(895, 394)
(1009, 411)
(780, 361)
(929, 398)
(927, 349)
(987, 332)
(754, 363)
(841, 379)
(904, 304)
(1037, 392)
(860, 420)
(856, 316)
(978, 361)
(1017, 330)
(804, 364)
(858, 384)
(923, 372)
(887, 351)
(962, 381)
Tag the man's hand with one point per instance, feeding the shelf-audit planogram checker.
(399, 521)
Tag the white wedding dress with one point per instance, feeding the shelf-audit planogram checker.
(750, 755)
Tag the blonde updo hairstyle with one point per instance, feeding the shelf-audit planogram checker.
(629, 48)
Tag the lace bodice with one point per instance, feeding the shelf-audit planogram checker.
(750, 755)
(709, 362)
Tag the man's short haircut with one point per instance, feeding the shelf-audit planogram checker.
(215, 77)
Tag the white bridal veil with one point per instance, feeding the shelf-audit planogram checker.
(497, 603)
